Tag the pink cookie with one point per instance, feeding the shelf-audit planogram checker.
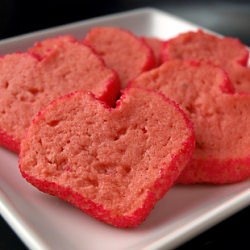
(228, 53)
(28, 84)
(201, 46)
(221, 119)
(112, 163)
(122, 51)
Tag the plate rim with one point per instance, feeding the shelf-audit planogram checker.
(73, 24)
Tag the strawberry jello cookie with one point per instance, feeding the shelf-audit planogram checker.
(202, 46)
(122, 51)
(228, 53)
(220, 117)
(27, 84)
(112, 163)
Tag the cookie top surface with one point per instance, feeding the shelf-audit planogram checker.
(113, 157)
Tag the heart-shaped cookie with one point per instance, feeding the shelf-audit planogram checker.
(221, 119)
(228, 53)
(28, 84)
(202, 46)
(112, 163)
(122, 51)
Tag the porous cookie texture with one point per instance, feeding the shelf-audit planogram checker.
(240, 77)
(112, 163)
(28, 84)
(227, 52)
(121, 50)
(220, 117)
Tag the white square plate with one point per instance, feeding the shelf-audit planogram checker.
(46, 223)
